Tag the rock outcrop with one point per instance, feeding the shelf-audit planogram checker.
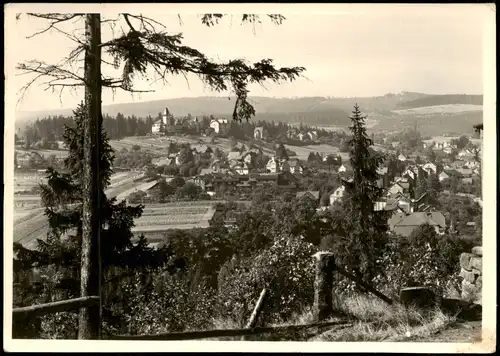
(471, 266)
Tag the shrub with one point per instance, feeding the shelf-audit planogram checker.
(286, 269)
(155, 302)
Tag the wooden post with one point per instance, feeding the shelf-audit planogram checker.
(89, 318)
(256, 311)
(323, 285)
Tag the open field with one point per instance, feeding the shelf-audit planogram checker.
(159, 144)
(27, 181)
(46, 153)
(440, 109)
(475, 141)
(162, 217)
(304, 151)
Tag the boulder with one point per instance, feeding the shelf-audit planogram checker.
(479, 282)
(471, 292)
(476, 263)
(477, 250)
(465, 261)
(468, 276)
(422, 297)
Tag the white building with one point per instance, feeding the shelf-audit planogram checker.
(272, 165)
(167, 119)
(337, 195)
(430, 167)
(220, 125)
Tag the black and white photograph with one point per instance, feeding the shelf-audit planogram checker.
(289, 177)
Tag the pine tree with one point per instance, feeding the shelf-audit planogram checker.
(421, 184)
(366, 229)
(281, 152)
(433, 188)
(62, 200)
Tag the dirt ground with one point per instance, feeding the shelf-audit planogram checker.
(469, 331)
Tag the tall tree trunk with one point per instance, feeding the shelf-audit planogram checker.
(89, 321)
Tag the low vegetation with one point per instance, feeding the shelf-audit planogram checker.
(377, 321)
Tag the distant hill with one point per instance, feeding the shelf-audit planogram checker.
(223, 105)
(450, 99)
(322, 111)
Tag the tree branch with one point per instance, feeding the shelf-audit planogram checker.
(54, 18)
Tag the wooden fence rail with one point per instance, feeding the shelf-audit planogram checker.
(55, 307)
(193, 335)
(365, 285)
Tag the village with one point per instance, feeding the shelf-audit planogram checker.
(206, 166)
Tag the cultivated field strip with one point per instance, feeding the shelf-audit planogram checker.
(117, 177)
(156, 217)
(27, 215)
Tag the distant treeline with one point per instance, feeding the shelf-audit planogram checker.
(51, 128)
(442, 100)
(44, 133)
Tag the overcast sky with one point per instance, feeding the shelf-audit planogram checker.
(357, 51)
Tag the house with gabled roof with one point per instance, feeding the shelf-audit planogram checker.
(405, 224)
(430, 167)
(296, 166)
(313, 195)
(443, 176)
(401, 186)
(241, 167)
(233, 156)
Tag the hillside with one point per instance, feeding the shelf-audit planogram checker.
(450, 99)
(392, 111)
(224, 106)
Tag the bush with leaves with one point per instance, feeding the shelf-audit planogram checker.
(156, 301)
(422, 259)
(286, 269)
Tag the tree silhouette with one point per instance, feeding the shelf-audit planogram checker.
(365, 228)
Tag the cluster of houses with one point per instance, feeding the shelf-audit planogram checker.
(295, 134)
(464, 169)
